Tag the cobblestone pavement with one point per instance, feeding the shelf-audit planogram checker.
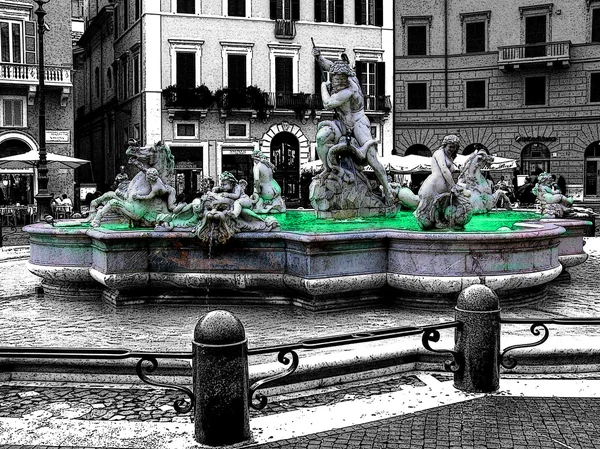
(486, 423)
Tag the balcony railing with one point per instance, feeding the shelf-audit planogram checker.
(28, 74)
(548, 53)
(285, 29)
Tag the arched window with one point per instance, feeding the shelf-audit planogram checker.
(535, 158)
(592, 169)
(285, 155)
(471, 148)
(418, 149)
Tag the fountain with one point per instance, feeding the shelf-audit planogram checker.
(138, 246)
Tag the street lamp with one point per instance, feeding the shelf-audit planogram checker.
(43, 197)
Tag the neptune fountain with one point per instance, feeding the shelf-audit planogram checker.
(227, 246)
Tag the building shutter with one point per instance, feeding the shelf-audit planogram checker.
(380, 73)
(295, 9)
(273, 9)
(318, 12)
(339, 11)
(30, 43)
(283, 75)
(379, 13)
(359, 13)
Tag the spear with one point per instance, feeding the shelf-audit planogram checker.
(323, 74)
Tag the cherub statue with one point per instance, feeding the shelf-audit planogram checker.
(267, 192)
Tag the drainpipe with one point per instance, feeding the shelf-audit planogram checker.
(446, 51)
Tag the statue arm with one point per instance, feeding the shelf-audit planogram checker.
(443, 168)
(336, 100)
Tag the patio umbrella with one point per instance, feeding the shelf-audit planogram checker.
(32, 158)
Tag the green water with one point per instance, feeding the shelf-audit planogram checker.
(304, 221)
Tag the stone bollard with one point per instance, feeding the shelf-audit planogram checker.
(220, 371)
(478, 340)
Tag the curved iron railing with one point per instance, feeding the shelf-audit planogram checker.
(180, 405)
(538, 326)
(429, 334)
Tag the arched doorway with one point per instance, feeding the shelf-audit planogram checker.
(285, 155)
(591, 157)
(535, 159)
(416, 179)
(17, 184)
(471, 148)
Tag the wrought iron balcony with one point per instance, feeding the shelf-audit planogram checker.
(285, 29)
(547, 53)
(28, 74)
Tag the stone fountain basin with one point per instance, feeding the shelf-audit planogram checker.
(314, 271)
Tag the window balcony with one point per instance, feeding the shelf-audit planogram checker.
(285, 29)
(549, 54)
(28, 74)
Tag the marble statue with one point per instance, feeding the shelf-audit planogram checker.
(219, 214)
(266, 198)
(146, 195)
(482, 198)
(552, 201)
(345, 146)
(121, 180)
(403, 196)
(443, 204)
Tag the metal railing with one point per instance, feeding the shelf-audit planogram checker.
(285, 29)
(543, 52)
(28, 74)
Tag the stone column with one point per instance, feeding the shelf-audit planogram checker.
(220, 371)
(478, 340)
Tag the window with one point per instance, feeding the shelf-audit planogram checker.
(475, 37)
(136, 74)
(416, 35)
(535, 91)
(11, 41)
(368, 12)
(475, 93)
(285, 9)
(186, 6)
(596, 24)
(186, 70)
(124, 81)
(329, 11)
(236, 71)
(97, 81)
(237, 58)
(595, 87)
(125, 14)
(185, 63)
(416, 40)
(284, 78)
(371, 76)
(236, 8)
(237, 130)
(138, 9)
(185, 130)
(536, 28)
(416, 96)
(13, 112)
(474, 31)
(109, 78)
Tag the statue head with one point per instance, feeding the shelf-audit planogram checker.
(451, 143)
(257, 154)
(227, 180)
(152, 174)
(545, 179)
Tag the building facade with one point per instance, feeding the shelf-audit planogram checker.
(19, 99)
(520, 78)
(218, 80)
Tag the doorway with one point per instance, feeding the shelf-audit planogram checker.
(535, 33)
(285, 155)
(592, 170)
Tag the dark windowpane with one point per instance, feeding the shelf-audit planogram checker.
(186, 6)
(416, 95)
(237, 130)
(595, 87)
(186, 70)
(596, 25)
(186, 130)
(16, 36)
(535, 90)
(236, 71)
(535, 33)
(416, 40)
(475, 37)
(475, 94)
(4, 42)
(236, 8)
(283, 75)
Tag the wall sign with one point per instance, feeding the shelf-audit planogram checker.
(535, 139)
(58, 136)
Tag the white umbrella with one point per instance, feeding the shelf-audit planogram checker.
(32, 159)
